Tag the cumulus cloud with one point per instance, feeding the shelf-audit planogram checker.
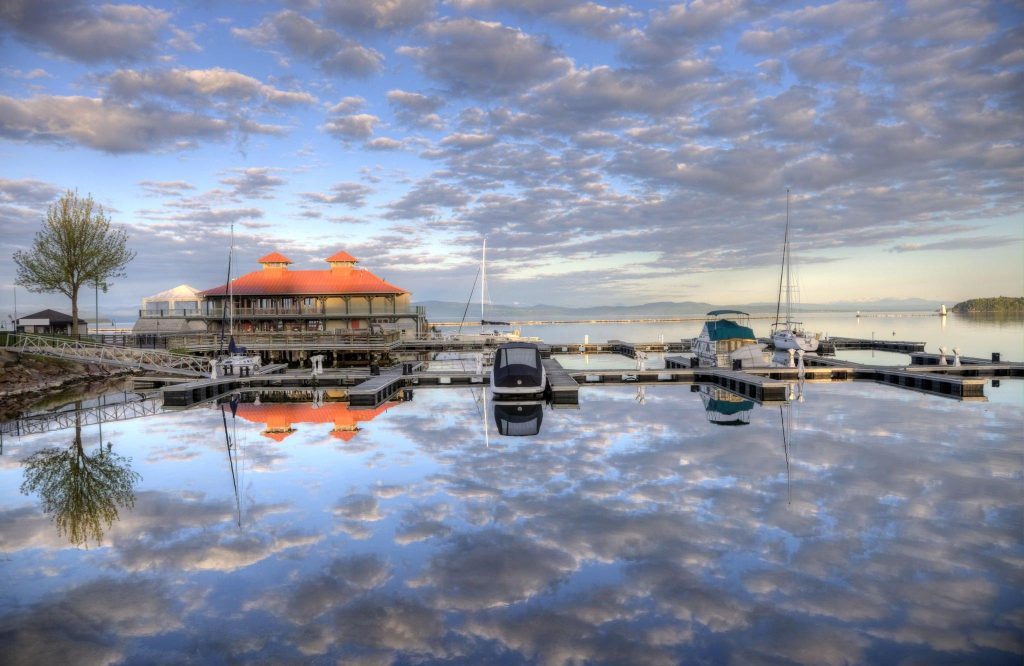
(198, 85)
(354, 126)
(426, 200)
(253, 183)
(109, 126)
(416, 109)
(374, 15)
(350, 194)
(300, 36)
(590, 17)
(484, 59)
(88, 33)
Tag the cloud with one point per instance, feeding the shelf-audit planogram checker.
(589, 17)
(354, 126)
(166, 188)
(426, 199)
(974, 243)
(332, 53)
(28, 192)
(378, 15)
(198, 85)
(253, 183)
(415, 109)
(383, 143)
(350, 194)
(484, 59)
(89, 34)
(109, 126)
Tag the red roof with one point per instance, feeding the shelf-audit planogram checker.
(343, 280)
(342, 256)
(274, 258)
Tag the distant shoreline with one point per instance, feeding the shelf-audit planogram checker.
(673, 320)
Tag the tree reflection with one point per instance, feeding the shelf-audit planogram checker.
(83, 493)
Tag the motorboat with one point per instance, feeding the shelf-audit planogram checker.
(518, 371)
(723, 341)
(789, 334)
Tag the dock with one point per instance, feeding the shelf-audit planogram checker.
(564, 389)
(964, 383)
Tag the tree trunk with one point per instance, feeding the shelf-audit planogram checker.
(74, 312)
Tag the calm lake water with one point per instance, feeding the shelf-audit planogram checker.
(860, 523)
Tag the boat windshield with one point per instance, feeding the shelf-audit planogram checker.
(518, 356)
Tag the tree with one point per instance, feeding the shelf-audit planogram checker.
(83, 493)
(76, 246)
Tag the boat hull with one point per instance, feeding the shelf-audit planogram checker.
(791, 340)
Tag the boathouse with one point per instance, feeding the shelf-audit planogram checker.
(339, 299)
(49, 322)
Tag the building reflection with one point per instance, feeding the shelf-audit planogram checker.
(279, 415)
(82, 492)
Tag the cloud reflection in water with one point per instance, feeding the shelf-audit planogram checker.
(620, 533)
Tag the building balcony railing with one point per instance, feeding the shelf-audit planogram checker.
(274, 312)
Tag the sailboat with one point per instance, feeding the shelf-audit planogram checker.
(236, 359)
(789, 334)
(492, 337)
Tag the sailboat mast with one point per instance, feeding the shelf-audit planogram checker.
(782, 269)
(231, 297)
(786, 258)
(483, 279)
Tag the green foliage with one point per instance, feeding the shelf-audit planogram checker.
(83, 493)
(76, 246)
(997, 305)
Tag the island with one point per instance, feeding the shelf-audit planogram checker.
(997, 305)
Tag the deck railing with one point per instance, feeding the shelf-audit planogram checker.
(292, 340)
(274, 311)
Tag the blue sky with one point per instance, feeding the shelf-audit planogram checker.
(611, 153)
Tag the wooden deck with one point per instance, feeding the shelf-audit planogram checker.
(564, 389)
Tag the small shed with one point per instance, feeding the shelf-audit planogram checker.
(49, 322)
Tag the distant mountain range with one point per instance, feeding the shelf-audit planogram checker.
(452, 311)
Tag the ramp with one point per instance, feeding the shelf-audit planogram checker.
(85, 351)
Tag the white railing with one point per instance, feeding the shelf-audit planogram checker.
(84, 351)
(121, 411)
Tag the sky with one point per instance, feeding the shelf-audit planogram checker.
(609, 152)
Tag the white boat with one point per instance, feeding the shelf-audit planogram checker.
(518, 371)
(789, 334)
(722, 342)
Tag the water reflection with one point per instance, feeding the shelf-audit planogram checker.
(640, 534)
(83, 493)
(518, 419)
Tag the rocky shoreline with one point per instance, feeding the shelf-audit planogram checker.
(26, 379)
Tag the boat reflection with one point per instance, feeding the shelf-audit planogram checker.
(518, 419)
(725, 408)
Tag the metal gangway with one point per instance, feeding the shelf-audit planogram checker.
(85, 351)
(69, 418)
